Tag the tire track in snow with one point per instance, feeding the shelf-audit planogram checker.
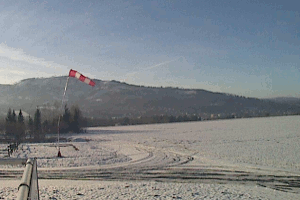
(155, 164)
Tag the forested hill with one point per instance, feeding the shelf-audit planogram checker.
(116, 99)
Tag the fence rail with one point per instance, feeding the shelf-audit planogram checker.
(12, 161)
(28, 188)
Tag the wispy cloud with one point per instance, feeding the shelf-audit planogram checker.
(17, 65)
(14, 72)
(18, 55)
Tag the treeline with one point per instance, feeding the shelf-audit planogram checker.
(17, 129)
(93, 122)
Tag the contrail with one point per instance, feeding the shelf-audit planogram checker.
(163, 63)
(132, 74)
(155, 66)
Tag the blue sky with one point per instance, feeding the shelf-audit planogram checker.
(249, 48)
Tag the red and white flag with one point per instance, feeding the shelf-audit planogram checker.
(82, 78)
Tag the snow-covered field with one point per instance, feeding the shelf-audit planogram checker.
(229, 159)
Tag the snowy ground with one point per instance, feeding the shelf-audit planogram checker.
(57, 189)
(229, 159)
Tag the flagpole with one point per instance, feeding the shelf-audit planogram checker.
(59, 116)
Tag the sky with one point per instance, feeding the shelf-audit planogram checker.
(248, 48)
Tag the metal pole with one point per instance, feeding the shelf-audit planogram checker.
(34, 184)
(25, 181)
(58, 123)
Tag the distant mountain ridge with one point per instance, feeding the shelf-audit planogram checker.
(289, 100)
(116, 99)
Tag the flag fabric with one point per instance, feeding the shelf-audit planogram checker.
(82, 78)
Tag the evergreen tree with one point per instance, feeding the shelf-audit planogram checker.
(66, 121)
(14, 116)
(53, 126)
(20, 128)
(45, 126)
(9, 115)
(126, 121)
(172, 119)
(37, 125)
(66, 115)
(30, 126)
(20, 117)
(76, 123)
(9, 125)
